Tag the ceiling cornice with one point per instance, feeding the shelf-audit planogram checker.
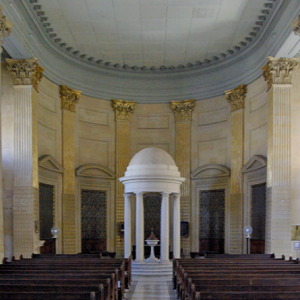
(149, 87)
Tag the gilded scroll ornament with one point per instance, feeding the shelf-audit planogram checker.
(123, 109)
(69, 98)
(5, 26)
(25, 71)
(236, 97)
(279, 70)
(296, 26)
(183, 109)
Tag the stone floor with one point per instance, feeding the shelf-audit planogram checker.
(151, 288)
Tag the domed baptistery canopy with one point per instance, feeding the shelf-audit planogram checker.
(152, 170)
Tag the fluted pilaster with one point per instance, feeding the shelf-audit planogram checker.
(278, 220)
(123, 111)
(236, 98)
(69, 98)
(183, 117)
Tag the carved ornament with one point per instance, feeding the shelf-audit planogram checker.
(279, 70)
(123, 109)
(5, 26)
(69, 98)
(183, 109)
(236, 97)
(25, 71)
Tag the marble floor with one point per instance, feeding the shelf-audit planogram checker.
(151, 288)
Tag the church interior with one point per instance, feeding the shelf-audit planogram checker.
(123, 120)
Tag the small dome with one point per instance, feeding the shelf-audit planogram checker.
(152, 156)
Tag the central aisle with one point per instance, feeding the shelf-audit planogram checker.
(151, 282)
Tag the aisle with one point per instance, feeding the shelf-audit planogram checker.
(151, 288)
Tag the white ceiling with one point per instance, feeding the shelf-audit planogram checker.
(152, 32)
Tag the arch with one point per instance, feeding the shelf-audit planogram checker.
(209, 171)
(50, 163)
(95, 171)
(256, 162)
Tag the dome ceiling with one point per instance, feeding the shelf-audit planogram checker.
(157, 34)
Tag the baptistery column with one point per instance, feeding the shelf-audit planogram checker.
(164, 229)
(127, 226)
(140, 239)
(123, 110)
(5, 30)
(236, 98)
(183, 118)
(69, 98)
(176, 226)
(26, 75)
(278, 74)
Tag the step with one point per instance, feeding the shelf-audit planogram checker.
(152, 269)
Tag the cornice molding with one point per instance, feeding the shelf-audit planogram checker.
(151, 87)
(25, 71)
(183, 110)
(69, 98)
(236, 97)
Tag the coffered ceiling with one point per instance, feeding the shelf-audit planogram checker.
(152, 33)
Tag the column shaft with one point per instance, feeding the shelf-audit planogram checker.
(176, 226)
(164, 229)
(127, 225)
(140, 228)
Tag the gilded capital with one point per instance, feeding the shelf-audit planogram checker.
(236, 97)
(69, 98)
(296, 26)
(5, 26)
(183, 109)
(123, 109)
(279, 70)
(25, 71)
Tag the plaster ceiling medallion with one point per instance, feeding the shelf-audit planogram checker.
(152, 35)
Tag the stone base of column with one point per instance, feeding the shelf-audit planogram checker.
(236, 226)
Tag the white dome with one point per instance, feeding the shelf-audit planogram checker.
(154, 170)
(152, 156)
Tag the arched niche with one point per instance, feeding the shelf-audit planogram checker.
(96, 177)
(50, 173)
(254, 174)
(205, 178)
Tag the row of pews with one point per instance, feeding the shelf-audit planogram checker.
(256, 276)
(65, 277)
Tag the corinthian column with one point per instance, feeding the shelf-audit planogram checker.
(123, 110)
(236, 98)
(183, 117)
(26, 75)
(5, 30)
(69, 98)
(278, 74)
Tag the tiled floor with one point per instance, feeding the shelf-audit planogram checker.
(151, 288)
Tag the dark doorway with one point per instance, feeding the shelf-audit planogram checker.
(258, 218)
(212, 221)
(46, 217)
(93, 221)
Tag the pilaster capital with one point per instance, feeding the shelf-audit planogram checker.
(5, 26)
(69, 98)
(25, 71)
(183, 109)
(236, 97)
(296, 26)
(123, 109)
(279, 70)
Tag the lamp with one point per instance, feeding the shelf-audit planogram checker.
(54, 232)
(247, 231)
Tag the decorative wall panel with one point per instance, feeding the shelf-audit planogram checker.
(93, 220)
(212, 220)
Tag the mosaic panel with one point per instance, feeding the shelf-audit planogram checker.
(212, 220)
(93, 220)
(46, 210)
(152, 212)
